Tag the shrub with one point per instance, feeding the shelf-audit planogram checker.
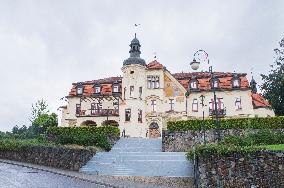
(86, 136)
(239, 144)
(221, 150)
(18, 145)
(237, 123)
(262, 137)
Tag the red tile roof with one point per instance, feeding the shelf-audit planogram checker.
(259, 101)
(204, 78)
(105, 83)
(155, 65)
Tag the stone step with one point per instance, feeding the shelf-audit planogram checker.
(139, 157)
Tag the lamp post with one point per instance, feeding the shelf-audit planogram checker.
(195, 65)
(203, 126)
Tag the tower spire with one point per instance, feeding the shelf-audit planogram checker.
(134, 53)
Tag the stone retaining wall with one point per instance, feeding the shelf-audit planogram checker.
(59, 157)
(261, 169)
(184, 141)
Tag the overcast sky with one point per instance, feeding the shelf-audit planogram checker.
(45, 46)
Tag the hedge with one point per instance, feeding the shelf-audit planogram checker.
(245, 144)
(9, 144)
(86, 136)
(234, 123)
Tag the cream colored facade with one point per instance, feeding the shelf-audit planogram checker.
(144, 107)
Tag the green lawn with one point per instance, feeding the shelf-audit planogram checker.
(274, 147)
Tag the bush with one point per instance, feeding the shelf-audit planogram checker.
(237, 123)
(262, 137)
(221, 150)
(86, 136)
(18, 145)
(239, 144)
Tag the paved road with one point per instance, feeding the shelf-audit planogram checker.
(12, 176)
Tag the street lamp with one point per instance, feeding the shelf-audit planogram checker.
(195, 65)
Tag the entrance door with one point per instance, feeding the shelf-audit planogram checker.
(154, 131)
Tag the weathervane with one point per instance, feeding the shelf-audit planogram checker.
(136, 26)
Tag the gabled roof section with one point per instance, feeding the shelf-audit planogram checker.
(259, 101)
(155, 65)
(204, 79)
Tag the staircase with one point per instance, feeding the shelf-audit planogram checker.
(139, 157)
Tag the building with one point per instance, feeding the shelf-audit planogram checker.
(148, 95)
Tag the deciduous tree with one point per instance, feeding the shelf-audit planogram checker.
(273, 83)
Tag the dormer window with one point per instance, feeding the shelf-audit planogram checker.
(115, 87)
(215, 83)
(80, 89)
(193, 84)
(97, 88)
(236, 81)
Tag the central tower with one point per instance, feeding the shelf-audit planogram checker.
(132, 107)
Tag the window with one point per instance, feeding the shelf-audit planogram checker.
(157, 82)
(131, 91)
(195, 105)
(171, 104)
(97, 89)
(115, 88)
(220, 104)
(153, 104)
(127, 114)
(140, 92)
(131, 72)
(116, 107)
(139, 116)
(235, 80)
(78, 108)
(236, 83)
(153, 82)
(96, 108)
(238, 103)
(215, 83)
(193, 84)
(79, 90)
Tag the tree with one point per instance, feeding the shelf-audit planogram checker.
(39, 108)
(15, 129)
(42, 122)
(273, 83)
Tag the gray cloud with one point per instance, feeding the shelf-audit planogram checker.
(47, 45)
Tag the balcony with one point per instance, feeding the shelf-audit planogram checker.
(95, 113)
(221, 112)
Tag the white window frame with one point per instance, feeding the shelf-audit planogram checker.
(131, 91)
(195, 105)
(80, 90)
(97, 89)
(238, 103)
(115, 88)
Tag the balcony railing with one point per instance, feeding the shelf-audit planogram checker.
(221, 112)
(101, 112)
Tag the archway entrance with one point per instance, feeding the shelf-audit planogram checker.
(154, 131)
(89, 123)
(110, 123)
